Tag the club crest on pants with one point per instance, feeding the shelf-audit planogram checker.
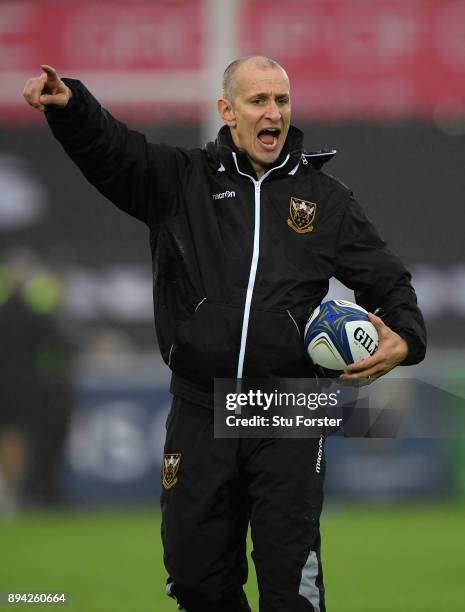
(302, 215)
(170, 469)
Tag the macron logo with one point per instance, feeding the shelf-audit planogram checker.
(225, 194)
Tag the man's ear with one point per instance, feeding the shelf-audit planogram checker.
(226, 112)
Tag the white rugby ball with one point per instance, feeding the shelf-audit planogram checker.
(339, 333)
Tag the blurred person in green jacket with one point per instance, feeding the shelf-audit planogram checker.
(35, 393)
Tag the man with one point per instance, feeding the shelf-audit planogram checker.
(36, 397)
(234, 282)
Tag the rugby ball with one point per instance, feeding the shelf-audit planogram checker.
(339, 333)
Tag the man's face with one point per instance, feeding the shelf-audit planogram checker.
(259, 114)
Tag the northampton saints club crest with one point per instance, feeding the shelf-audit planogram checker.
(302, 215)
(170, 469)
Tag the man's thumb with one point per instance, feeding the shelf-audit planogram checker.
(57, 99)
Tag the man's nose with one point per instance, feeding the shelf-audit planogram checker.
(272, 111)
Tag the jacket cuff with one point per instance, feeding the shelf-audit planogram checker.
(416, 348)
(74, 108)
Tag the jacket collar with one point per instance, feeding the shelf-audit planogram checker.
(221, 153)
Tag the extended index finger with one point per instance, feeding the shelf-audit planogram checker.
(49, 71)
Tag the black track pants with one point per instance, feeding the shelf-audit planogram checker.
(212, 489)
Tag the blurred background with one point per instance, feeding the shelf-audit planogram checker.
(84, 393)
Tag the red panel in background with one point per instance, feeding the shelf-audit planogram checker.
(112, 38)
(161, 35)
(361, 58)
(369, 59)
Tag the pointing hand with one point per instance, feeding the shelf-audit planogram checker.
(47, 90)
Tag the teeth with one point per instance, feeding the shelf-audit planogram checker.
(272, 132)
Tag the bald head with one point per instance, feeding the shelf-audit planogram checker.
(233, 71)
(256, 106)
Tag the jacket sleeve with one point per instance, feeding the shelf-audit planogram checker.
(140, 178)
(379, 279)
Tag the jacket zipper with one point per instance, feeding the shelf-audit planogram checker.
(254, 262)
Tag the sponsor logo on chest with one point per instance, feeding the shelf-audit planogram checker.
(224, 194)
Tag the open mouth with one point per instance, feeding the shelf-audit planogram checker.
(269, 137)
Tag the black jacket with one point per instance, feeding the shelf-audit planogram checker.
(238, 263)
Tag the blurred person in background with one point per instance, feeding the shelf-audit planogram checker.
(36, 395)
(230, 228)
